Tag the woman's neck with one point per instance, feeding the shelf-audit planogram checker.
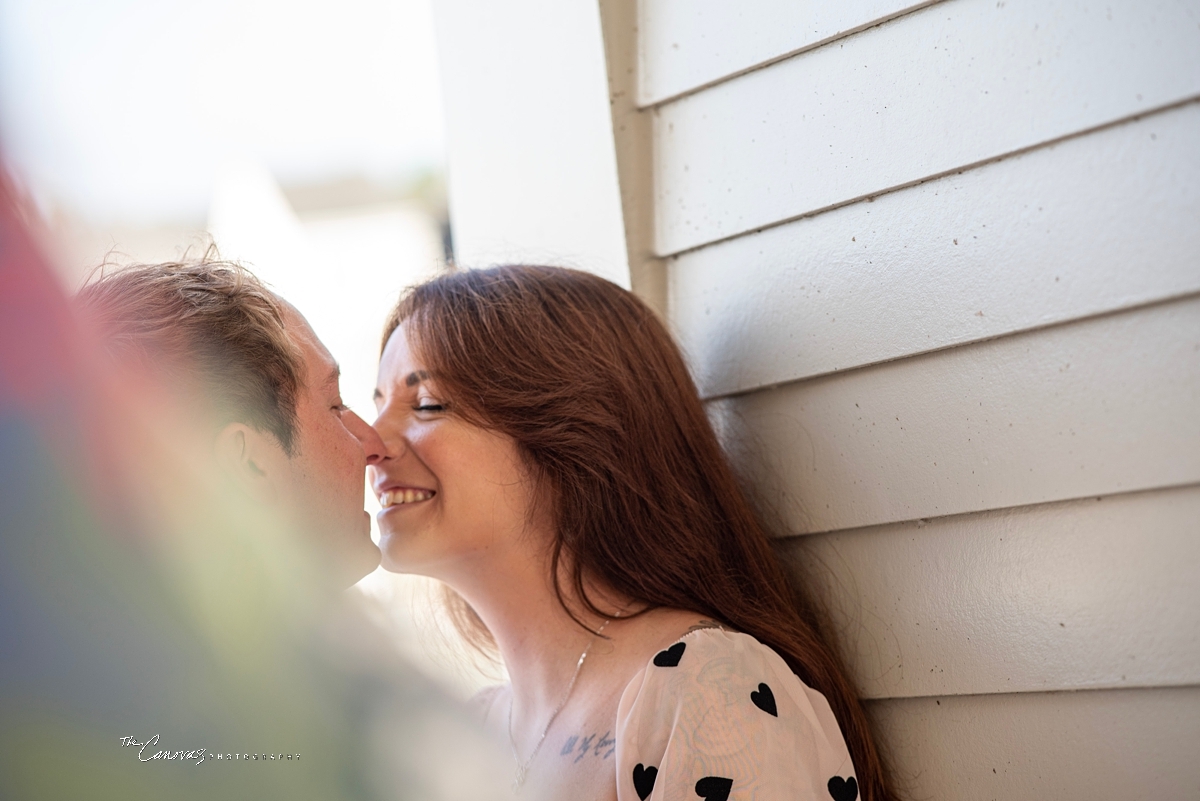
(538, 641)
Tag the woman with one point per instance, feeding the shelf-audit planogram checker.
(548, 458)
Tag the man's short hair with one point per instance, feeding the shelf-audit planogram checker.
(211, 324)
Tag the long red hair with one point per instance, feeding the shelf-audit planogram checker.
(596, 394)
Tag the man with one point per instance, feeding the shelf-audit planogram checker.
(157, 628)
(267, 386)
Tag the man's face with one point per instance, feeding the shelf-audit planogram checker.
(322, 490)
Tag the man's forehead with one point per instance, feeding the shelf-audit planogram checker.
(320, 366)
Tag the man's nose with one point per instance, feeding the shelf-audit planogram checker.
(373, 447)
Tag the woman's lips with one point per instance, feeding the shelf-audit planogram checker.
(403, 495)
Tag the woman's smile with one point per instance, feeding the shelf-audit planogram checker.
(449, 489)
(393, 497)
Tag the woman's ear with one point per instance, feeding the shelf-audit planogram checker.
(252, 459)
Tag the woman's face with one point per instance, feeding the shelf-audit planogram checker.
(453, 494)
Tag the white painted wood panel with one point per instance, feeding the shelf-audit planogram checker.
(1092, 224)
(952, 85)
(529, 133)
(1089, 408)
(1092, 593)
(1131, 745)
(684, 44)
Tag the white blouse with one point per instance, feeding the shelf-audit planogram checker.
(719, 715)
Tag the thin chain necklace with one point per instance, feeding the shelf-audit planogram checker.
(523, 767)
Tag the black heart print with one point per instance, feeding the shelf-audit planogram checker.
(671, 656)
(714, 788)
(643, 780)
(764, 699)
(843, 789)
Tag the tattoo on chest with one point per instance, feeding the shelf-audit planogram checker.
(602, 746)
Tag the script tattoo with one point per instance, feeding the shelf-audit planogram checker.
(598, 745)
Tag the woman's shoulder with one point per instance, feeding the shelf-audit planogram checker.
(712, 659)
(710, 641)
(721, 705)
(707, 647)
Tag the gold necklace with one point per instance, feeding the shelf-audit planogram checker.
(523, 768)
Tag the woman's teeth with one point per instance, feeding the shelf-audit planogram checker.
(397, 497)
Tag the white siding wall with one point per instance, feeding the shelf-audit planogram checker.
(689, 44)
(944, 88)
(533, 173)
(937, 270)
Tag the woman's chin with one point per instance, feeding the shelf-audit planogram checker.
(395, 557)
(388, 558)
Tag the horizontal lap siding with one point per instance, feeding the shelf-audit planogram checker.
(948, 86)
(940, 282)
(1083, 409)
(1107, 744)
(1093, 593)
(1092, 224)
(685, 44)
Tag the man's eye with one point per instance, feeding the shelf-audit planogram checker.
(340, 407)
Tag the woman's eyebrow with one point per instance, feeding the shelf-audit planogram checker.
(414, 378)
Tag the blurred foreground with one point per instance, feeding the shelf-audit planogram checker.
(140, 604)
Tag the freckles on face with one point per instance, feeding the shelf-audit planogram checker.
(329, 464)
(452, 492)
(338, 457)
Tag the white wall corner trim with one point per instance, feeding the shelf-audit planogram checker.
(533, 170)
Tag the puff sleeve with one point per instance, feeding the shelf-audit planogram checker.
(718, 716)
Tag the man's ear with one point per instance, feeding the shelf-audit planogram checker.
(253, 459)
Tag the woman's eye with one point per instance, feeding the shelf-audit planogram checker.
(429, 406)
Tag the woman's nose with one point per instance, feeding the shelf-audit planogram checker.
(373, 446)
(390, 434)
